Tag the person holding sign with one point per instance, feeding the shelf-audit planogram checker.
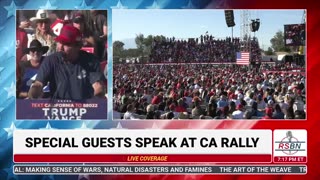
(73, 74)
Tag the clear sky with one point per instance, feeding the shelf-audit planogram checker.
(126, 24)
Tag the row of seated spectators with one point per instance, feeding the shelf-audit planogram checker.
(205, 49)
(207, 92)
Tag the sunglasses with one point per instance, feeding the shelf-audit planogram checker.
(43, 21)
(35, 50)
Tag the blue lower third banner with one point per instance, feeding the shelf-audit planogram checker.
(61, 109)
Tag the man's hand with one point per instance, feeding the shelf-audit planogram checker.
(35, 90)
(99, 89)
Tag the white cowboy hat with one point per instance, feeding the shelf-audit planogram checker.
(41, 15)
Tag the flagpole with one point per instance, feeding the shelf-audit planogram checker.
(231, 33)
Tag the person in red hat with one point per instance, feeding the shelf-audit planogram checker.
(73, 74)
(268, 113)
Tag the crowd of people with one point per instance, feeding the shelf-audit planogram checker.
(50, 57)
(205, 49)
(38, 25)
(207, 91)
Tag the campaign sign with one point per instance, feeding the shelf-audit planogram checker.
(61, 109)
(290, 146)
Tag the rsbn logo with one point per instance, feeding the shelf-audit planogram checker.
(290, 145)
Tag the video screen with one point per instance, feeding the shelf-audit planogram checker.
(294, 34)
(61, 64)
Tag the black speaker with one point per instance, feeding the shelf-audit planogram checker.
(288, 59)
(252, 26)
(229, 18)
(255, 25)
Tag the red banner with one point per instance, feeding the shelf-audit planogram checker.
(140, 158)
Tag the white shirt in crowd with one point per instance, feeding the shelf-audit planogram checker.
(237, 114)
(130, 115)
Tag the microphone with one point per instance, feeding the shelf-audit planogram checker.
(289, 136)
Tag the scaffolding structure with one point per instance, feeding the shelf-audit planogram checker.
(245, 29)
(302, 48)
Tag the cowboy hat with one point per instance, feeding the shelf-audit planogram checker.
(41, 15)
(35, 45)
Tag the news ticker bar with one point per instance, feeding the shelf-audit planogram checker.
(100, 169)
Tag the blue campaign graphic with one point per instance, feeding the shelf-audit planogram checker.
(61, 109)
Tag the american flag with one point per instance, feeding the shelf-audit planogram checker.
(243, 58)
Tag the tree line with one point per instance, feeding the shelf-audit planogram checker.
(143, 50)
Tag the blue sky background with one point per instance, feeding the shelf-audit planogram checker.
(126, 24)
